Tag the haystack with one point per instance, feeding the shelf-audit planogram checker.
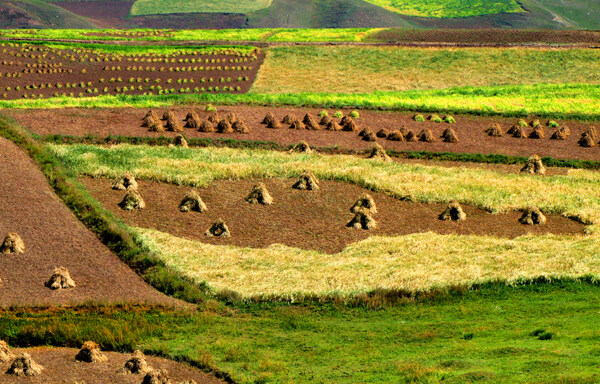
(531, 216)
(346, 120)
(273, 124)
(566, 129)
(297, 124)
(259, 195)
(157, 126)
(192, 202)
(269, 118)
(193, 122)
(450, 136)
(534, 165)
(537, 133)
(24, 366)
(333, 126)
(214, 118)
(559, 134)
(404, 131)
(494, 130)
(180, 141)
(206, 127)
(325, 120)
(126, 181)
(157, 376)
(410, 136)
(592, 132)
(90, 353)
(5, 353)
(586, 140)
(519, 133)
(310, 122)
(151, 114)
(240, 127)
(12, 244)
(132, 200)
(224, 126)
(218, 229)
(192, 115)
(362, 220)
(302, 146)
(377, 152)
(364, 202)
(396, 135)
(231, 117)
(383, 133)
(350, 126)
(289, 118)
(307, 181)
(169, 115)
(60, 279)
(149, 121)
(173, 125)
(513, 129)
(535, 123)
(137, 364)
(426, 136)
(522, 123)
(453, 212)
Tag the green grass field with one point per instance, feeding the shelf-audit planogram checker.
(158, 7)
(445, 8)
(579, 14)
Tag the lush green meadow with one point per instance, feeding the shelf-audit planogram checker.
(575, 13)
(445, 8)
(158, 7)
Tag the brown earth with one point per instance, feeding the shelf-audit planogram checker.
(15, 61)
(55, 238)
(304, 219)
(104, 14)
(60, 367)
(470, 130)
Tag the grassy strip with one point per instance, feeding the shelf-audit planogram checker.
(110, 231)
(270, 145)
(159, 7)
(448, 9)
(558, 101)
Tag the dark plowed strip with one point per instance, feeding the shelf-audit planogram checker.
(310, 220)
(55, 238)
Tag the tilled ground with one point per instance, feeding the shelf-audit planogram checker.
(55, 238)
(60, 367)
(469, 129)
(304, 219)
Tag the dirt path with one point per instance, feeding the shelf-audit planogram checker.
(55, 238)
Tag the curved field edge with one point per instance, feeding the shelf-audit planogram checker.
(572, 195)
(449, 9)
(160, 7)
(559, 101)
(414, 263)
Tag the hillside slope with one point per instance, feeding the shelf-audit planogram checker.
(39, 14)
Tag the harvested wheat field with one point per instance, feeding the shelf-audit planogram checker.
(53, 238)
(313, 220)
(470, 130)
(59, 366)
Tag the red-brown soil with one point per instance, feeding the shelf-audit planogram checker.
(55, 238)
(60, 367)
(304, 219)
(470, 130)
(49, 71)
(105, 14)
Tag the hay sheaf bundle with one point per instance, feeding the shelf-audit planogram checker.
(192, 202)
(90, 353)
(426, 136)
(519, 133)
(410, 136)
(173, 125)
(124, 182)
(383, 133)
(396, 135)
(333, 126)
(206, 126)
(297, 124)
(259, 195)
(537, 133)
(24, 366)
(214, 118)
(180, 141)
(531, 216)
(512, 130)
(350, 126)
(534, 165)
(137, 364)
(169, 115)
(151, 114)
(592, 132)
(150, 121)
(224, 126)
(12, 244)
(586, 140)
(377, 152)
(132, 200)
(566, 129)
(310, 122)
(449, 136)
(157, 376)
(535, 123)
(364, 202)
(362, 220)
(193, 122)
(302, 146)
(453, 212)
(60, 279)
(494, 130)
(231, 117)
(345, 120)
(192, 115)
(156, 126)
(218, 229)
(240, 127)
(273, 124)
(559, 134)
(369, 135)
(522, 123)
(5, 353)
(289, 118)
(269, 118)
(307, 181)
(325, 120)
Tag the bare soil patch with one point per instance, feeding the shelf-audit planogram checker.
(60, 367)
(469, 129)
(304, 219)
(105, 14)
(53, 238)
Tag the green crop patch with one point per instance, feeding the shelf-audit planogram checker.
(448, 8)
(156, 7)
